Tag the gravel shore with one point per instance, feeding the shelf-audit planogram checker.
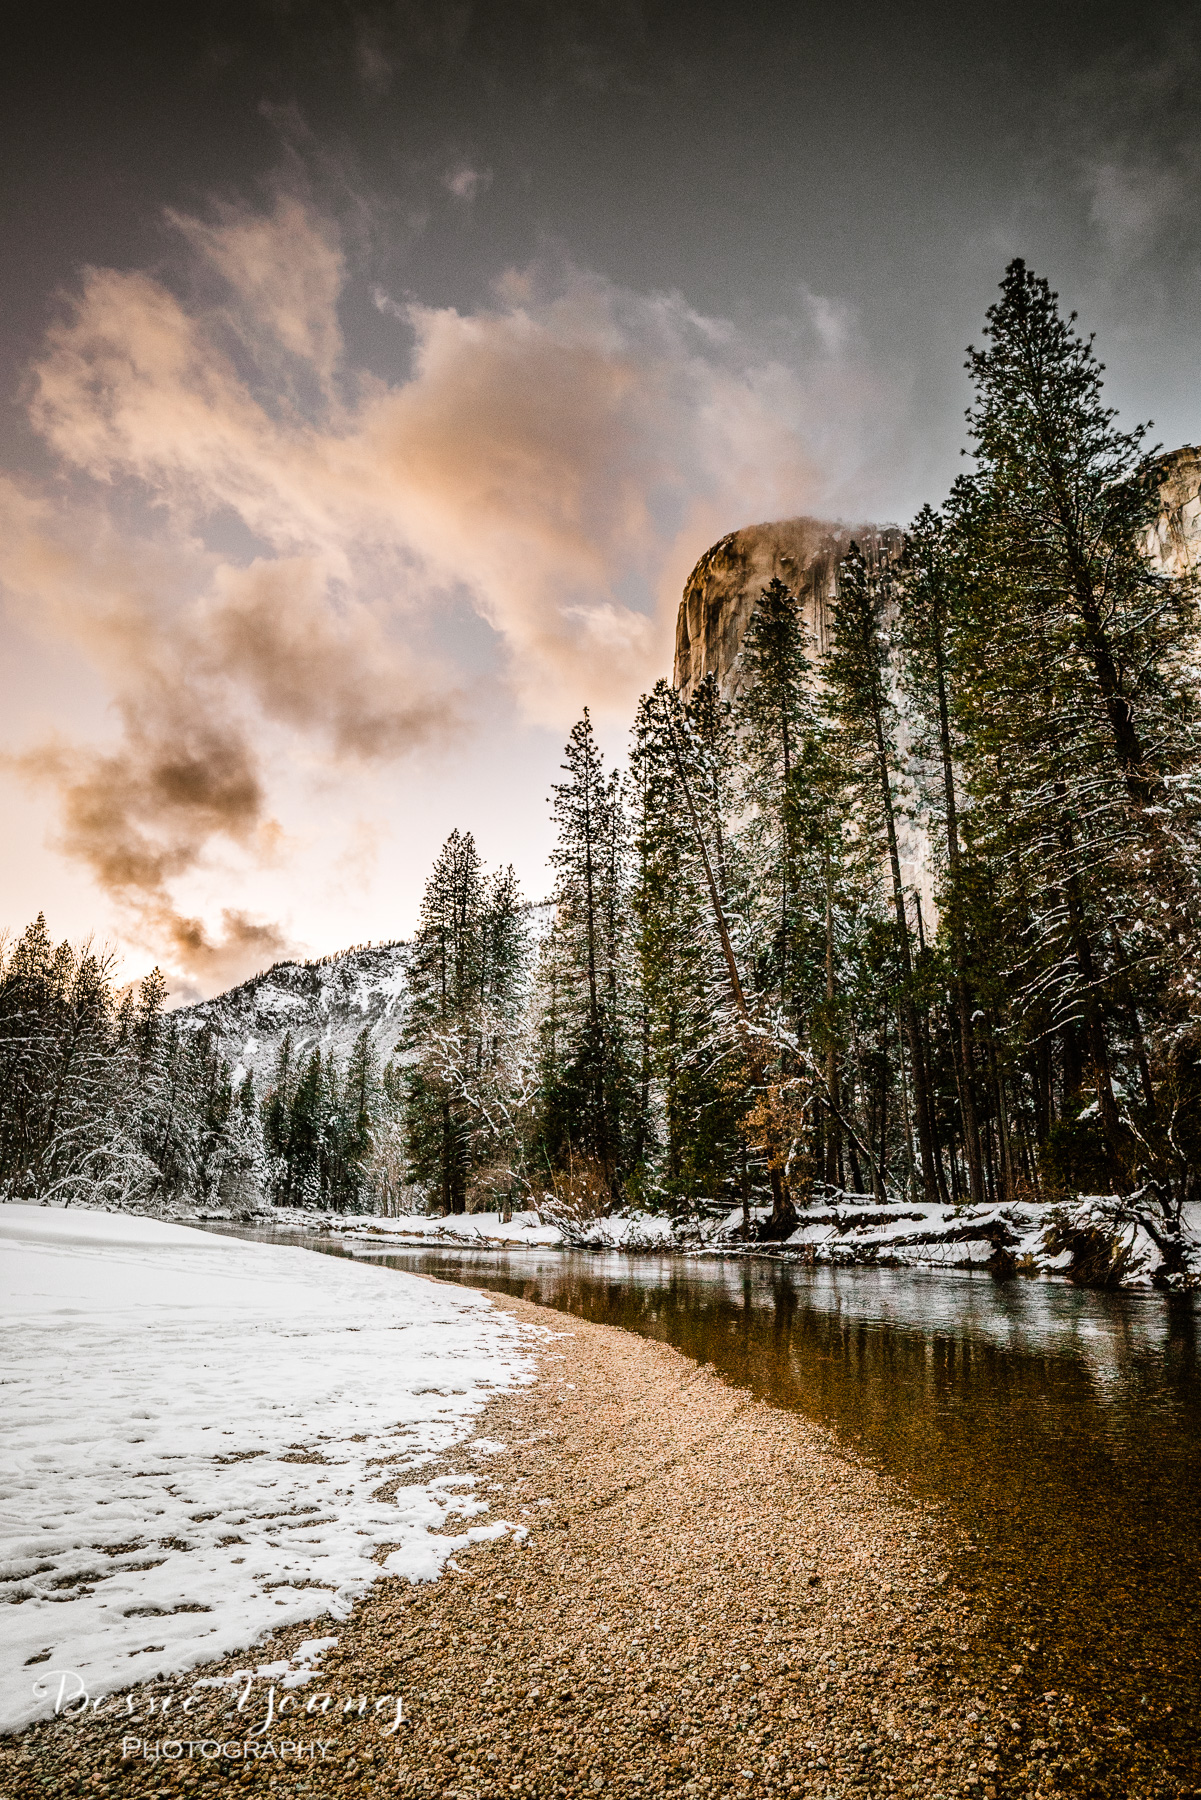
(712, 1598)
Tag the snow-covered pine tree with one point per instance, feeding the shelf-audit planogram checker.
(931, 605)
(361, 1099)
(694, 1106)
(740, 1036)
(465, 1076)
(56, 1076)
(588, 1102)
(245, 1171)
(773, 718)
(1081, 713)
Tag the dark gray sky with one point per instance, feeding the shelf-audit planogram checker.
(423, 349)
(888, 158)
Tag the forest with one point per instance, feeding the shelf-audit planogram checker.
(733, 996)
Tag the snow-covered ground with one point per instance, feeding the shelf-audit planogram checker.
(524, 1230)
(195, 1431)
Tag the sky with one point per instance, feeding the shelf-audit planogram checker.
(372, 376)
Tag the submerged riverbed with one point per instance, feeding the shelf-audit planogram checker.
(1060, 1429)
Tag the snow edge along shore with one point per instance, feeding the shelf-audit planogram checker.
(1096, 1241)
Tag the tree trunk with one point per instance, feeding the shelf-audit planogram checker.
(833, 1165)
(932, 1175)
(963, 1011)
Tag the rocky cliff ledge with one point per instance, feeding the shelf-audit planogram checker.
(1177, 545)
(721, 593)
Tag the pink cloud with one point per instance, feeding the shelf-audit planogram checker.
(560, 456)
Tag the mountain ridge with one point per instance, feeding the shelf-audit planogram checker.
(325, 1003)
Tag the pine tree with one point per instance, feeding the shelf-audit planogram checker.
(446, 974)
(774, 718)
(465, 1078)
(739, 1037)
(360, 1099)
(1082, 715)
(589, 1091)
(276, 1114)
(26, 1048)
(305, 1135)
(244, 1176)
(931, 601)
(692, 1107)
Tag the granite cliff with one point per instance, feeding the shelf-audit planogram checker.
(721, 592)
(1177, 543)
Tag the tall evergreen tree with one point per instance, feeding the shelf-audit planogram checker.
(742, 1036)
(1082, 714)
(589, 1088)
(464, 1076)
(693, 1102)
(930, 603)
(774, 718)
(446, 978)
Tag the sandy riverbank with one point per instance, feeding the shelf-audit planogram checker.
(712, 1599)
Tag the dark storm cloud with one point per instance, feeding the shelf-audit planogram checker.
(144, 814)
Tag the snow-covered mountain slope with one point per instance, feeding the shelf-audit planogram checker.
(325, 1003)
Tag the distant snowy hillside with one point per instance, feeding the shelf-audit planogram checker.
(326, 1003)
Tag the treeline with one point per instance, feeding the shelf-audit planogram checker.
(111, 1101)
(739, 996)
(107, 1100)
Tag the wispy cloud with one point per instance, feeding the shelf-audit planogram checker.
(1126, 137)
(559, 456)
(466, 182)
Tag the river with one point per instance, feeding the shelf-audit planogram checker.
(1059, 1430)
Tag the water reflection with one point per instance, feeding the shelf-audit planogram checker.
(1061, 1428)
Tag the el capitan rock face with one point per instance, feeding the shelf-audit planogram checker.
(1177, 544)
(721, 593)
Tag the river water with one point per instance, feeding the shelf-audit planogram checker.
(1058, 1430)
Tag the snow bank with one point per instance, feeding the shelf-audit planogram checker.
(1105, 1241)
(1099, 1241)
(525, 1230)
(195, 1434)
